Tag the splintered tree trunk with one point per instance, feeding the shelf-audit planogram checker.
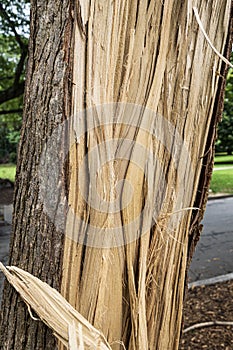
(115, 159)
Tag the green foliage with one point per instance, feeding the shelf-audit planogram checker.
(10, 54)
(225, 130)
(10, 133)
(14, 32)
(18, 11)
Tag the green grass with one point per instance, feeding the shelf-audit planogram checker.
(7, 171)
(222, 181)
(223, 159)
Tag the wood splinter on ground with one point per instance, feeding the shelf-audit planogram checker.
(68, 325)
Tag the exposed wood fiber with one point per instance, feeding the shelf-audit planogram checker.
(155, 55)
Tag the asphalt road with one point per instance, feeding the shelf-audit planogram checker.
(214, 252)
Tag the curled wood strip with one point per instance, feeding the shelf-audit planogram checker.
(68, 325)
(208, 324)
(208, 39)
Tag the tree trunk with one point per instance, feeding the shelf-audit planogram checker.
(121, 104)
(36, 244)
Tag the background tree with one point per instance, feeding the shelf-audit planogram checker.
(225, 129)
(14, 23)
(84, 55)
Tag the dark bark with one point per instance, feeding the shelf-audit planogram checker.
(36, 244)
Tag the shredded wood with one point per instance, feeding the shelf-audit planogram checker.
(73, 339)
(68, 325)
(208, 39)
(133, 171)
(137, 54)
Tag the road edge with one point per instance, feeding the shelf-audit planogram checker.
(212, 280)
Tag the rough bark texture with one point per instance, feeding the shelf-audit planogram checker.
(152, 54)
(36, 244)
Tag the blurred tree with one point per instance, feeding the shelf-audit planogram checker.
(14, 23)
(225, 129)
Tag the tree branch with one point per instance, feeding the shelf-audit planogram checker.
(20, 66)
(5, 15)
(11, 111)
(6, 78)
(14, 91)
(17, 88)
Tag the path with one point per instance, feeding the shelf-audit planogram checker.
(223, 168)
(214, 252)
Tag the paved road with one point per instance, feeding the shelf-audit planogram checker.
(214, 252)
(4, 247)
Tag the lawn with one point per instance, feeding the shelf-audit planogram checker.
(223, 159)
(7, 171)
(222, 180)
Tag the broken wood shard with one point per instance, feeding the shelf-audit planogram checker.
(68, 325)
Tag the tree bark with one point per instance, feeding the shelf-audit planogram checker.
(36, 244)
(121, 260)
